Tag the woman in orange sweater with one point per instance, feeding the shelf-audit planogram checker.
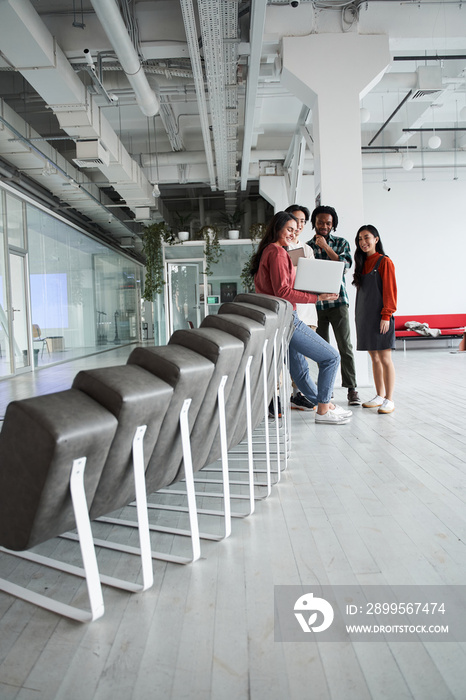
(374, 277)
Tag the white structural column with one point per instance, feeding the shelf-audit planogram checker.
(273, 189)
(331, 73)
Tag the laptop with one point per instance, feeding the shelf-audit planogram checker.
(319, 276)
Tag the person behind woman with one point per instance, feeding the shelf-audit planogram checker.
(306, 312)
(374, 278)
(274, 274)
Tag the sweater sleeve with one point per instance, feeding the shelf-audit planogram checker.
(276, 276)
(387, 273)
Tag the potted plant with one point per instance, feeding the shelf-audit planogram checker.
(182, 226)
(233, 221)
(154, 236)
(212, 251)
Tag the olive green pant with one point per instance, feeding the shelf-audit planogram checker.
(338, 318)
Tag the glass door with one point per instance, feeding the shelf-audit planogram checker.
(184, 307)
(20, 345)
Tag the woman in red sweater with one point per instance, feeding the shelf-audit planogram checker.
(374, 277)
(274, 274)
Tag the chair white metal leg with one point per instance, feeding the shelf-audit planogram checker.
(224, 457)
(247, 381)
(262, 438)
(144, 549)
(266, 453)
(226, 495)
(90, 571)
(192, 508)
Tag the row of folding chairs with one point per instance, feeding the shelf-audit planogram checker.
(167, 422)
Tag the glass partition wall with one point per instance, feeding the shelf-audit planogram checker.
(190, 294)
(63, 294)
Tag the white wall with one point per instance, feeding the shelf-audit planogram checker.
(423, 230)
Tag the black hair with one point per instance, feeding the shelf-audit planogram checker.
(298, 207)
(360, 257)
(324, 210)
(271, 235)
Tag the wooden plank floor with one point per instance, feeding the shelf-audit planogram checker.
(378, 501)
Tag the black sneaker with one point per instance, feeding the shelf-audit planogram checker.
(272, 410)
(353, 398)
(300, 403)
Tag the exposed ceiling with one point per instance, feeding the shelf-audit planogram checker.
(105, 103)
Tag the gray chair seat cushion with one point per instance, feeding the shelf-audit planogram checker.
(135, 397)
(189, 374)
(41, 438)
(252, 335)
(225, 352)
(270, 320)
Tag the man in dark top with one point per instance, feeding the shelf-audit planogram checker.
(327, 246)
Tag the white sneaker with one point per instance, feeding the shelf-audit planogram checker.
(341, 411)
(374, 403)
(332, 418)
(387, 406)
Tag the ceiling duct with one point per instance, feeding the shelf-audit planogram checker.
(29, 47)
(429, 84)
(112, 22)
(91, 153)
(142, 213)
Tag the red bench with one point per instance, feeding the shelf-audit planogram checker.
(451, 326)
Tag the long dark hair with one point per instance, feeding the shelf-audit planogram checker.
(360, 257)
(271, 235)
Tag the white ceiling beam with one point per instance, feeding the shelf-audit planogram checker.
(258, 8)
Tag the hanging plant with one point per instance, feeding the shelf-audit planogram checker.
(246, 275)
(256, 231)
(212, 250)
(154, 237)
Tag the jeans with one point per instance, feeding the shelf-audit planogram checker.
(306, 343)
(338, 318)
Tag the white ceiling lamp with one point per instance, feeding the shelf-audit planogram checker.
(155, 180)
(364, 114)
(406, 162)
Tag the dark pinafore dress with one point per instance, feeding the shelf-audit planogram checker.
(369, 305)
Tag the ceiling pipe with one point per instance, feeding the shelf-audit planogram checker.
(115, 29)
(433, 57)
(391, 117)
(258, 10)
(189, 20)
(199, 157)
